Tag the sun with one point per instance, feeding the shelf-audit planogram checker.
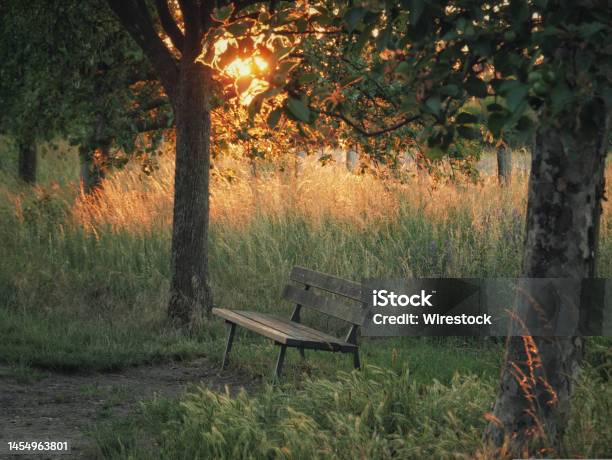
(244, 67)
(249, 73)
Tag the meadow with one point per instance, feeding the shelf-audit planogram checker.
(84, 281)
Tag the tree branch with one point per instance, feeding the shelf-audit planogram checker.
(135, 17)
(169, 25)
(363, 131)
(191, 16)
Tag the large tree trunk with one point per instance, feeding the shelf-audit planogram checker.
(189, 291)
(565, 191)
(27, 160)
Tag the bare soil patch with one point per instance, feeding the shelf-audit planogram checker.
(63, 407)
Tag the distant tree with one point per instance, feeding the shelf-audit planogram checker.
(74, 74)
(504, 164)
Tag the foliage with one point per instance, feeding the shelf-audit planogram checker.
(69, 71)
(375, 413)
(389, 65)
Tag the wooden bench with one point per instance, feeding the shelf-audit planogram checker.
(290, 332)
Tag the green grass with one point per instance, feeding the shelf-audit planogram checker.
(73, 301)
(62, 342)
(376, 413)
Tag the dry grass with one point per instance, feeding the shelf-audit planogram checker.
(133, 201)
(138, 203)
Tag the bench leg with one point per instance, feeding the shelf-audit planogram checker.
(228, 346)
(302, 352)
(356, 361)
(280, 361)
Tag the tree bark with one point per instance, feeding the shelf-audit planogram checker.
(95, 155)
(188, 87)
(189, 291)
(564, 207)
(94, 164)
(504, 165)
(351, 159)
(27, 160)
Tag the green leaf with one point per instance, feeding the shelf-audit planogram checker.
(282, 52)
(476, 87)
(450, 90)
(274, 117)
(223, 14)
(353, 16)
(298, 109)
(239, 28)
(496, 123)
(434, 105)
(408, 103)
(286, 66)
(495, 107)
(466, 118)
(589, 29)
(271, 92)
(403, 68)
(524, 124)
(308, 78)
(516, 95)
(255, 106)
(519, 11)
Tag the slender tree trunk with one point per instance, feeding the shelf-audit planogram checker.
(300, 157)
(27, 160)
(95, 154)
(351, 159)
(94, 164)
(564, 208)
(189, 291)
(504, 165)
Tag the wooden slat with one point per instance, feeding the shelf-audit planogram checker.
(271, 333)
(351, 313)
(292, 328)
(306, 337)
(284, 331)
(326, 282)
(286, 327)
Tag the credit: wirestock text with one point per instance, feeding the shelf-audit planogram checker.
(385, 298)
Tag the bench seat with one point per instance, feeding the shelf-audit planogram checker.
(340, 299)
(284, 331)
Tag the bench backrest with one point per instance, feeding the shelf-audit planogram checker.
(349, 310)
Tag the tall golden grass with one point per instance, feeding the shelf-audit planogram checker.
(133, 201)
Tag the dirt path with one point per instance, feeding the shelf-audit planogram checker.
(61, 407)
